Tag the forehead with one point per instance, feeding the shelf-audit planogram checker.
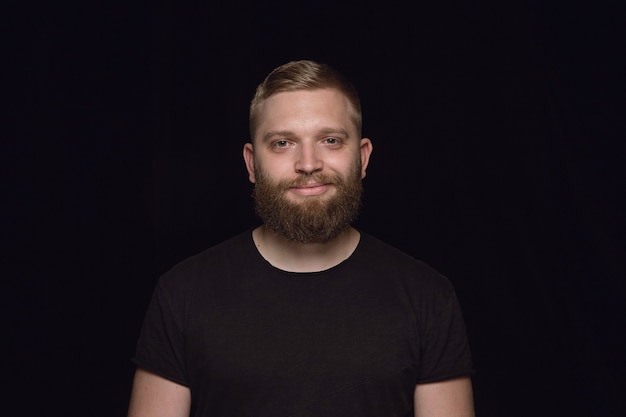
(306, 109)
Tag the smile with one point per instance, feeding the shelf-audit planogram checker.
(311, 189)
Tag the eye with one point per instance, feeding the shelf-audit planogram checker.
(332, 141)
(280, 144)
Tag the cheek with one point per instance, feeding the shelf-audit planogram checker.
(344, 161)
(273, 171)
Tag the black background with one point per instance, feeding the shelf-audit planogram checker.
(498, 159)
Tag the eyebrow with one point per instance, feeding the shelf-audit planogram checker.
(281, 133)
(325, 131)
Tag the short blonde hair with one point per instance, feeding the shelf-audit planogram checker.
(304, 75)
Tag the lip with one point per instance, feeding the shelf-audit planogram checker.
(311, 189)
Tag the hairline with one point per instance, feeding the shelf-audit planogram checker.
(354, 115)
(304, 75)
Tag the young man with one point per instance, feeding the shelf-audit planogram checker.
(304, 315)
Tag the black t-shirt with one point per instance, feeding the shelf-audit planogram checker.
(249, 339)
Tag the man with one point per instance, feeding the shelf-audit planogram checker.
(304, 315)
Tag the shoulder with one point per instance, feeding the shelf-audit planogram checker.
(414, 275)
(211, 262)
(372, 250)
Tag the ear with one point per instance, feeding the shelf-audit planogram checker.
(248, 157)
(366, 150)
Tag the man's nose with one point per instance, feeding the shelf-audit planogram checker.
(309, 160)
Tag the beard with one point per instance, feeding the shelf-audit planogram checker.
(316, 219)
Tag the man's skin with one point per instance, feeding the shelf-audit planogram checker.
(302, 133)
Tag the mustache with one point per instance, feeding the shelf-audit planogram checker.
(304, 179)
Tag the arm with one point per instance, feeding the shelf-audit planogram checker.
(154, 396)
(450, 398)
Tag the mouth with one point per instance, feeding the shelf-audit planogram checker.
(311, 189)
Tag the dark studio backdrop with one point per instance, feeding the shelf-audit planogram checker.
(498, 159)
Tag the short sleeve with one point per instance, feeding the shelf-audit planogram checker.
(160, 347)
(445, 351)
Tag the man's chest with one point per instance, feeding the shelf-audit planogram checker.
(291, 341)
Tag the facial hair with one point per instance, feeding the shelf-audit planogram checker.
(316, 219)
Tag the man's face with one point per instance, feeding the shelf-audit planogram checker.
(307, 163)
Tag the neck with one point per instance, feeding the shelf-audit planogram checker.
(295, 257)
